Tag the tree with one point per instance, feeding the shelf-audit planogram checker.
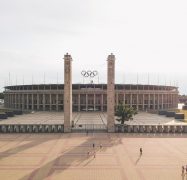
(125, 113)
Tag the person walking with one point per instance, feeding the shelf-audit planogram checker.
(182, 170)
(186, 169)
(101, 146)
(93, 145)
(141, 151)
(88, 153)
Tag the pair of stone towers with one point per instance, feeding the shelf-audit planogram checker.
(68, 92)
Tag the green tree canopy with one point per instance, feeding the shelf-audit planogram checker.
(125, 113)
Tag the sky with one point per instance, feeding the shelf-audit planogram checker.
(148, 38)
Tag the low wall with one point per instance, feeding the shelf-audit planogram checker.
(59, 128)
(32, 128)
(151, 128)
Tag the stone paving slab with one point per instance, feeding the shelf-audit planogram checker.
(89, 118)
(91, 174)
(65, 156)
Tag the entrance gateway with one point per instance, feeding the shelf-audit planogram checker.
(68, 92)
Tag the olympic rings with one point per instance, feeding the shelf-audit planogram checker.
(89, 73)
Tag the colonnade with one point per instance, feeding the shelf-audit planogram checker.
(86, 102)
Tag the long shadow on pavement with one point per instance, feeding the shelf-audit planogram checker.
(78, 159)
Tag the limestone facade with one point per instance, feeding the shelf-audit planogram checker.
(67, 92)
(110, 92)
(88, 97)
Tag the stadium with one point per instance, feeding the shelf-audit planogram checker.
(90, 97)
(93, 105)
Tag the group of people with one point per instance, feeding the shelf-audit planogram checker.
(94, 152)
(183, 170)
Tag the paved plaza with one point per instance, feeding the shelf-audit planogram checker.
(71, 156)
(42, 117)
(142, 118)
(65, 156)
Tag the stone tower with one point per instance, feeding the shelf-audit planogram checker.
(67, 93)
(110, 93)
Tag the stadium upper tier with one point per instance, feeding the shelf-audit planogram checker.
(90, 97)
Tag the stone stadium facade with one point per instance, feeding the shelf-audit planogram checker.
(90, 97)
(70, 97)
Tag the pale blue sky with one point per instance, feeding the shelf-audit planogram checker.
(147, 37)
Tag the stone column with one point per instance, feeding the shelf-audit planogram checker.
(111, 93)
(158, 96)
(94, 101)
(32, 101)
(12, 101)
(130, 100)
(167, 100)
(102, 102)
(143, 102)
(137, 102)
(170, 101)
(154, 99)
(173, 103)
(27, 101)
(149, 103)
(86, 102)
(124, 99)
(50, 102)
(79, 102)
(7, 100)
(19, 101)
(15, 101)
(38, 103)
(177, 100)
(162, 101)
(117, 99)
(67, 93)
(43, 102)
(23, 106)
(56, 102)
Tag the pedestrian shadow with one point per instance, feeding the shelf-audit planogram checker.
(20, 148)
(183, 176)
(138, 159)
(70, 158)
(91, 159)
